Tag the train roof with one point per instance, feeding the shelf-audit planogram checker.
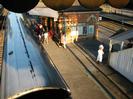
(27, 70)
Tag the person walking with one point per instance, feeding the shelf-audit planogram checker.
(100, 53)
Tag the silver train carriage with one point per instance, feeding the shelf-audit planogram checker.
(27, 71)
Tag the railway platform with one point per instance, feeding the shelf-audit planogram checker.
(83, 75)
(75, 68)
(81, 86)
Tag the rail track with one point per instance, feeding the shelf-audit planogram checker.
(109, 28)
(113, 25)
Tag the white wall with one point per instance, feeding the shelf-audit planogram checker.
(122, 61)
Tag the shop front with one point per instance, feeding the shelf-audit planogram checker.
(77, 24)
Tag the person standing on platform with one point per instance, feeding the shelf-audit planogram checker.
(41, 33)
(37, 31)
(59, 38)
(77, 34)
(63, 39)
(46, 36)
(100, 53)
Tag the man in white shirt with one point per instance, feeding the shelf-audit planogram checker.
(100, 54)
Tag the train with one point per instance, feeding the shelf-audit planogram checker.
(48, 86)
(27, 70)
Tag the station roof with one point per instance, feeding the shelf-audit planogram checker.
(79, 8)
(123, 36)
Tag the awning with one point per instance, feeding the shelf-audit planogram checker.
(42, 10)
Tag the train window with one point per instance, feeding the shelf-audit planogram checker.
(116, 47)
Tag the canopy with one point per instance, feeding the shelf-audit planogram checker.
(122, 36)
(42, 10)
